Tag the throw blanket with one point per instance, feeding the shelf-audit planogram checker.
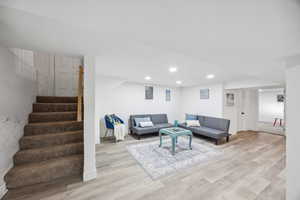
(119, 130)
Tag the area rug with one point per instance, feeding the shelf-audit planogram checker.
(158, 162)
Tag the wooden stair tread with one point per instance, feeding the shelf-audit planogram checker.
(52, 123)
(33, 173)
(37, 117)
(52, 113)
(44, 163)
(47, 136)
(44, 140)
(52, 127)
(54, 107)
(51, 148)
(56, 99)
(47, 153)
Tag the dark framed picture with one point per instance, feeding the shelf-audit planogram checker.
(230, 99)
(148, 92)
(168, 95)
(204, 93)
(280, 98)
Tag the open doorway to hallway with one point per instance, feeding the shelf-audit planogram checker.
(255, 109)
(271, 110)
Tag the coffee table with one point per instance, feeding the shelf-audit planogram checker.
(174, 133)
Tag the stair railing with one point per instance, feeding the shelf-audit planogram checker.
(80, 95)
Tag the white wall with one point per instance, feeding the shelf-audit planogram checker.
(192, 104)
(124, 99)
(292, 129)
(18, 90)
(269, 107)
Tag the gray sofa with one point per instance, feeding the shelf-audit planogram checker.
(216, 128)
(159, 121)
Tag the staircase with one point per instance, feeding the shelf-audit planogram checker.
(52, 145)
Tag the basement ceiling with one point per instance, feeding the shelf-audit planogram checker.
(235, 39)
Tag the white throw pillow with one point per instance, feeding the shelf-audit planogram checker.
(190, 123)
(146, 124)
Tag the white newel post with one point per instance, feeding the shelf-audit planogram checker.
(89, 171)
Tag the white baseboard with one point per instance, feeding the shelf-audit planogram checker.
(3, 190)
(90, 175)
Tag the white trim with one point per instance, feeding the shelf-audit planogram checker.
(87, 176)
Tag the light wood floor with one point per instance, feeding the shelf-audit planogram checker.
(252, 168)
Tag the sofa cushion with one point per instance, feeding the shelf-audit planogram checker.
(165, 125)
(201, 119)
(216, 123)
(159, 118)
(141, 131)
(214, 133)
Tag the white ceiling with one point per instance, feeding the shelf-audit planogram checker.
(233, 39)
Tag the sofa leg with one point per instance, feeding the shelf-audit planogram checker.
(227, 139)
(217, 141)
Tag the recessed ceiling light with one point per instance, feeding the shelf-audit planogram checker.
(173, 69)
(148, 78)
(178, 82)
(210, 76)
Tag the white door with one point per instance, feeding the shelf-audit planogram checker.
(66, 75)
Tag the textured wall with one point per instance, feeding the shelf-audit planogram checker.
(18, 90)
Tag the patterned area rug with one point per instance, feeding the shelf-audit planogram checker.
(158, 161)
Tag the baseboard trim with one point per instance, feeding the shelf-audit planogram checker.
(90, 175)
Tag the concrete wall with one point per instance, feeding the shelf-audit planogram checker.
(57, 75)
(18, 91)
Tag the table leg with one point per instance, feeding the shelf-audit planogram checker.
(190, 142)
(173, 145)
(275, 121)
(280, 122)
(160, 139)
(176, 140)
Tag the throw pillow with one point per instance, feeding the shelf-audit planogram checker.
(146, 124)
(190, 123)
(141, 119)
